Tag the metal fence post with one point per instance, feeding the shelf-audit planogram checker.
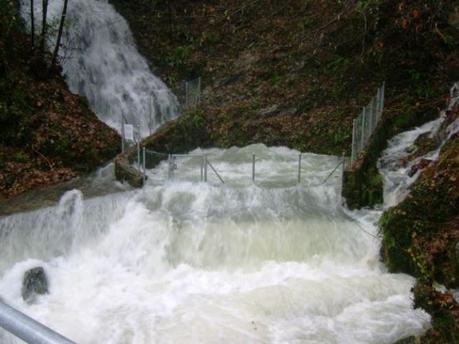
(299, 168)
(253, 167)
(383, 96)
(372, 116)
(202, 169)
(205, 168)
(362, 142)
(144, 164)
(122, 134)
(138, 155)
(353, 148)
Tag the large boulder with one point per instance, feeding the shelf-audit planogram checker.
(34, 283)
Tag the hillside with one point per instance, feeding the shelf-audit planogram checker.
(296, 72)
(47, 134)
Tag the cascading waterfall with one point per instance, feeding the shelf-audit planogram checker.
(101, 63)
(188, 262)
(397, 178)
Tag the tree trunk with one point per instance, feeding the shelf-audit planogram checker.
(59, 35)
(32, 23)
(43, 26)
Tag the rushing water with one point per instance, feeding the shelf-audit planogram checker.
(189, 262)
(100, 61)
(393, 165)
(182, 261)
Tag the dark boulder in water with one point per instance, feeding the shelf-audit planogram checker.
(34, 283)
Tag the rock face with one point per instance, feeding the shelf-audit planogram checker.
(34, 283)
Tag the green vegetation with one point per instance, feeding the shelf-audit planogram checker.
(420, 236)
(317, 63)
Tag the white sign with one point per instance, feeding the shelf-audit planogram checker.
(129, 132)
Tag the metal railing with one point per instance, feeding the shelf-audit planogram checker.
(147, 159)
(366, 122)
(152, 158)
(28, 329)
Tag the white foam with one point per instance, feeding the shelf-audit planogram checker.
(189, 262)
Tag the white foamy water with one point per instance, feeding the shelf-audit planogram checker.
(392, 164)
(188, 262)
(101, 62)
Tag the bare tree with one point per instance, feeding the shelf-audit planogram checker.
(59, 34)
(43, 26)
(32, 23)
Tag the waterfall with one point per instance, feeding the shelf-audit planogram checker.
(396, 173)
(100, 62)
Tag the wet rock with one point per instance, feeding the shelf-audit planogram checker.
(411, 149)
(423, 163)
(125, 172)
(34, 283)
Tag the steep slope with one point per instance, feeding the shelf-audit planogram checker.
(296, 72)
(47, 134)
(421, 234)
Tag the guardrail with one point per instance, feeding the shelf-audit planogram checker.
(28, 329)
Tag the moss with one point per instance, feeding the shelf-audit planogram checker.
(21, 157)
(420, 236)
(396, 241)
(441, 306)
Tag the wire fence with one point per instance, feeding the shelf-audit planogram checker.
(366, 122)
(200, 168)
(189, 94)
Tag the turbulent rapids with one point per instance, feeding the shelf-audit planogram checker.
(182, 261)
(100, 61)
(190, 262)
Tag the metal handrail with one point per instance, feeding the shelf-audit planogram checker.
(28, 329)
